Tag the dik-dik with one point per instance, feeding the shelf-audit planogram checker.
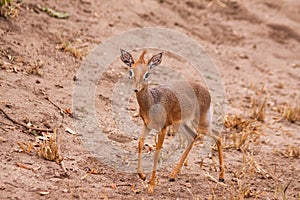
(173, 105)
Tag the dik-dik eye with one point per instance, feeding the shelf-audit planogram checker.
(146, 76)
(131, 74)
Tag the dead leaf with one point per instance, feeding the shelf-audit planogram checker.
(68, 130)
(43, 138)
(36, 168)
(113, 186)
(68, 111)
(93, 171)
(23, 166)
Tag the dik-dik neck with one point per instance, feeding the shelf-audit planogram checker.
(144, 98)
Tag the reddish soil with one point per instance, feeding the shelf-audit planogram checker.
(255, 45)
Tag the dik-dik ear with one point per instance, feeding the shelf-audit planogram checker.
(155, 60)
(126, 57)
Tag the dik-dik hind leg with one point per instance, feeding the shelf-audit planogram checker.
(161, 137)
(141, 174)
(204, 127)
(178, 166)
(218, 141)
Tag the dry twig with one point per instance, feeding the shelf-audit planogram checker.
(24, 125)
(215, 180)
(62, 111)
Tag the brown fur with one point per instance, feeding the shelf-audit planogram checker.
(171, 105)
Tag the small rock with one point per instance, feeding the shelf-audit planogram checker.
(47, 125)
(131, 108)
(243, 56)
(122, 179)
(188, 185)
(44, 193)
(2, 139)
(8, 106)
(58, 86)
(2, 186)
(106, 130)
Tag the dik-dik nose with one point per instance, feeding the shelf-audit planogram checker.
(135, 90)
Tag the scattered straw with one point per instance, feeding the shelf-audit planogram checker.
(259, 168)
(243, 131)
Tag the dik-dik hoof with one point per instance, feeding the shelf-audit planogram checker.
(171, 179)
(142, 176)
(221, 180)
(150, 189)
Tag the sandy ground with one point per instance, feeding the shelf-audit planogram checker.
(254, 44)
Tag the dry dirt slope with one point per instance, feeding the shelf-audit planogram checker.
(255, 45)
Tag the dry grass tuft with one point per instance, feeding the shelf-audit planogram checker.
(291, 111)
(75, 50)
(257, 105)
(259, 108)
(49, 149)
(35, 68)
(292, 151)
(243, 131)
(9, 9)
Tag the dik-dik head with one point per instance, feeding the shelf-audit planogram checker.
(139, 70)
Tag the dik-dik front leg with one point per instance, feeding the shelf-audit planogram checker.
(145, 132)
(161, 137)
